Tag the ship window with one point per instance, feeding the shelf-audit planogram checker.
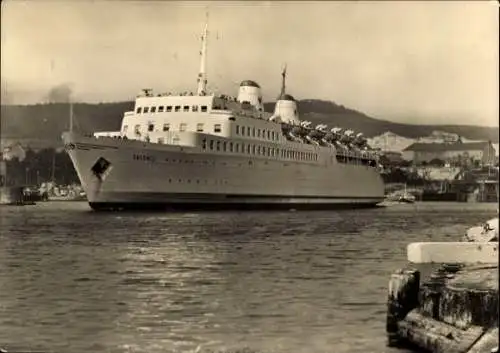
(199, 127)
(161, 108)
(272, 134)
(186, 108)
(248, 131)
(230, 147)
(248, 149)
(258, 149)
(253, 149)
(166, 127)
(253, 132)
(224, 145)
(138, 111)
(125, 128)
(218, 145)
(194, 108)
(204, 108)
(237, 129)
(182, 127)
(146, 109)
(237, 148)
(243, 130)
(151, 127)
(137, 129)
(211, 144)
(268, 134)
(217, 128)
(204, 143)
(258, 133)
(153, 109)
(169, 108)
(177, 108)
(161, 140)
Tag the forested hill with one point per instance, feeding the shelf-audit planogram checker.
(47, 121)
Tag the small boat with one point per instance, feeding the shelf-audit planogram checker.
(407, 198)
(484, 233)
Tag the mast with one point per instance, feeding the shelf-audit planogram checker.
(283, 79)
(202, 76)
(70, 116)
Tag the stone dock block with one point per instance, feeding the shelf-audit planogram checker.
(488, 343)
(437, 337)
(453, 252)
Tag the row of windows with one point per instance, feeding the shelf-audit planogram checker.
(253, 132)
(171, 108)
(230, 147)
(217, 128)
(261, 150)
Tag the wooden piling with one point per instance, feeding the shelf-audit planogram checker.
(453, 309)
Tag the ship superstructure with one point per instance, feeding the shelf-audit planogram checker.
(201, 150)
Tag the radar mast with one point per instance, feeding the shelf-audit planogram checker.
(202, 75)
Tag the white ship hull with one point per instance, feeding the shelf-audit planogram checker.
(176, 177)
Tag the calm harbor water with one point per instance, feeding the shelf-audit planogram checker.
(73, 281)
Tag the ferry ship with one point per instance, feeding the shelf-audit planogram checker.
(206, 151)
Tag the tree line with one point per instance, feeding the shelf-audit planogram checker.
(41, 166)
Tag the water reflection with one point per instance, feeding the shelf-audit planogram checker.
(74, 281)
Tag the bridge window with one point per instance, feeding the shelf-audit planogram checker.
(224, 146)
(153, 109)
(248, 131)
(182, 126)
(218, 145)
(166, 127)
(138, 111)
(268, 134)
(237, 129)
(125, 128)
(161, 108)
(194, 108)
(248, 148)
(204, 108)
(258, 133)
(177, 108)
(204, 143)
(258, 149)
(230, 147)
(253, 132)
(243, 130)
(217, 128)
(199, 127)
(169, 108)
(146, 109)
(151, 127)
(137, 129)
(186, 108)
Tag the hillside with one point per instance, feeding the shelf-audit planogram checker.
(44, 123)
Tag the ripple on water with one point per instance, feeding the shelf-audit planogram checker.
(78, 281)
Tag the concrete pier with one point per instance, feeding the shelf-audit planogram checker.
(446, 299)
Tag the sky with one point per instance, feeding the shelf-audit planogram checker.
(410, 61)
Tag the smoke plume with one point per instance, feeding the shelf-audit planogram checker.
(60, 94)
